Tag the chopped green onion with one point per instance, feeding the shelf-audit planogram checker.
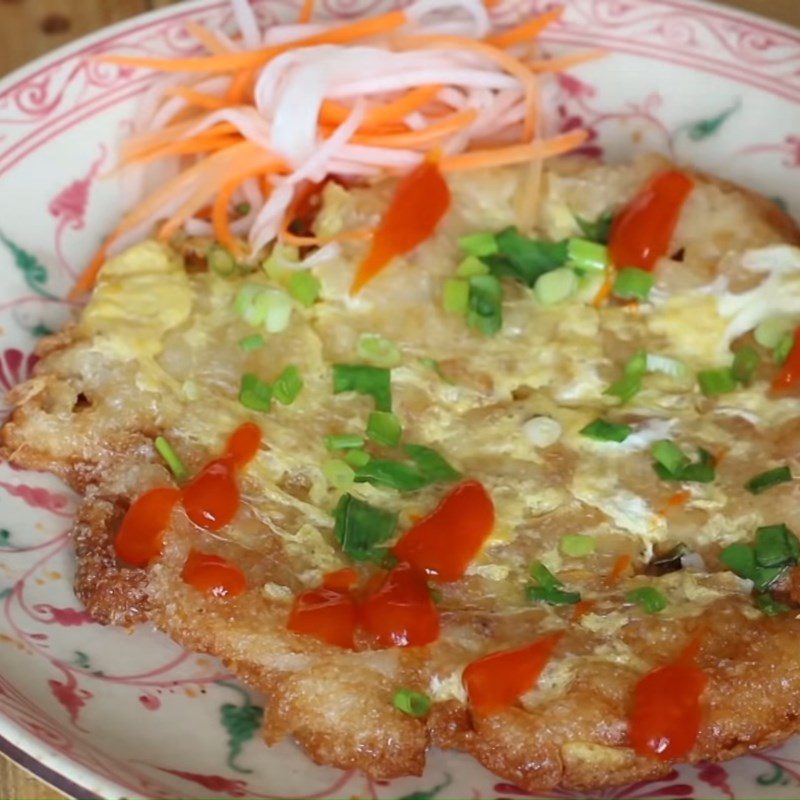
(716, 381)
(770, 332)
(432, 363)
(361, 529)
(525, 259)
(372, 381)
(243, 209)
(648, 598)
(556, 286)
(766, 480)
(344, 441)
(287, 386)
(357, 458)
(599, 230)
(221, 260)
(633, 284)
(586, 256)
(577, 545)
(244, 301)
(542, 575)
(784, 348)
(470, 267)
(255, 393)
(589, 285)
(745, 364)
(176, 466)
(378, 351)
(670, 456)
(250, 343)
(741, 559)
(666, 366)
(485, 312)
(552, 596)
(479, 244)
(276, 264)
(304, 287)
(769, 605)
(700, 471)
(455, 299)
(428, 467)
(338, 473)
(603, 431)
(415, 704)
(277, 310)
(384, 428)
(630, 384)
(776, 546)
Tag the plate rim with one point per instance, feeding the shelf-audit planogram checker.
(22, 748)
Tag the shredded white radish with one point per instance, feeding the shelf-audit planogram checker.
(348, 109)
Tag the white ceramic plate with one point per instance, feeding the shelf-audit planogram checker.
(98, 712)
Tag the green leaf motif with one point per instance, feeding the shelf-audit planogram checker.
(6, 592)
(776, 778)
(82, 660)
(705, 128)
(34, 272)
(241, 723)
(430, 793)
(5, 535)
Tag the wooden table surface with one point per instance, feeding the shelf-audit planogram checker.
(29, 28)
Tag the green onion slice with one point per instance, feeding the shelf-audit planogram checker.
(362, 529)
(577, 545)
(669, 455)
(304, 287)
(378, 351)
(455, 299)
(470, 267)
(384, 428)
(372, 381)
(479, 244)
(648, 598)
(357, 458)
(167, 452)
(552, 595)
(717, 381)
(344, 441)
(587, 256)
(221, 260)
(769, 605)
(525, 259)
(255, 393)
(485, 311)
(253, 342)
(556, 286)
(599, 230)
(741, 559)
(338, 473)
(745, 364)
(633, 284)
(542, 575)
(415, 704)
(427, 468)
(602, 430)
(766, 480)
(287, 386)
(776, 546)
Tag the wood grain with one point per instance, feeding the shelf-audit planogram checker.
(29, 28)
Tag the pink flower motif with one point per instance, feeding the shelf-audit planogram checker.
(63, 617)
(717, 776)
(150, 702)
(574, 87)
(70, 204)
(570, 122)
(70, 696)
(636, 791)
(15, 367)
(37, 497)
(214, 783)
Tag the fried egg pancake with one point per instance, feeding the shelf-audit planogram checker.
(156, 353)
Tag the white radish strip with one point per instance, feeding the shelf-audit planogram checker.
(475, 10)
(198, 227)
(326, 253)
(247, 23)
(282, 34)
(464, 77)
(380, 156)
(268, 223)
(352, 169)
(416, 121)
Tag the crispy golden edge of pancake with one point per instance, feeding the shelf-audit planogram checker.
(343, 715)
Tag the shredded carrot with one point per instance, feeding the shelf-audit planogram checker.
(333, 113)
(422, 137)
(515, 154)
(87, 278)
(674, 501)
(307, 11)
(205, 37)
(241, 88)
(195, 98)
(605, 290)
(146, 142)
(184, 147)
(621, 566)
(527, 31)
(582, 608)
(564, 63)
(232, 62)
(353, 235)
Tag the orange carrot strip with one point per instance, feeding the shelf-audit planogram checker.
(621, 566)
(231, 62)
(604, 292)
(675, 501)
(307, 11)
(241, 87)
(508, 62)
(205, 37)
(515, 154)
(564, 63)
(184, 147)
(527, 30)
(333, 113)
(87, 278)
(353, 235)
(195, 98)
(431, 133)
(149, 141)
(582, 608)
